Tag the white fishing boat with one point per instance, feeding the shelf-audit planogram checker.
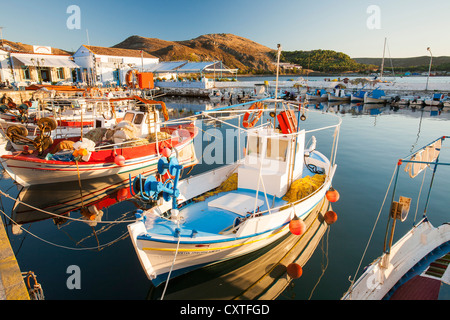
(237, 208)
(215, 95)
(338, 95)
(415, 267)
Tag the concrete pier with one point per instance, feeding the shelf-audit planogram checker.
(12, 286)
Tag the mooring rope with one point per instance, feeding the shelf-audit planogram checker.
(61, 216)
(171, 267)
(61, 246)
(373, 230)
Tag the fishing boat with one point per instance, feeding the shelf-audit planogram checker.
(436, 100)
(415, 267)
(376, 96)
(317, 95)
(261, 275)
(338, 95)
(134, 143)
(357, 97)
(237, 208)
(215, 95)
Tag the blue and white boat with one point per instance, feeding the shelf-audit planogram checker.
(416, 266)
(436, 100)
(376, 96)
(358, 96)
(237, 208)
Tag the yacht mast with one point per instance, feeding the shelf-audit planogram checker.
(382, 62)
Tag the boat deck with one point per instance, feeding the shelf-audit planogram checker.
(214, 214)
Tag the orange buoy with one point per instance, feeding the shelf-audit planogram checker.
(330, 217)
(119, 160)
(332, 195)
(166, 152)
(294, 270)
(122, 194)
(297, 226)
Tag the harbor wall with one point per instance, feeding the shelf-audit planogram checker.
(12, 286)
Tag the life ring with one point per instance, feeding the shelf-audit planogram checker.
(129, 78)
(256, 115)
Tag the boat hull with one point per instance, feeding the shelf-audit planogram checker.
(157, 253)
(368, 100)
(31, 170)
(333, 98)
(384, 273)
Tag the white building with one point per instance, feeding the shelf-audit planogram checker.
(103, 65)
(22, 65)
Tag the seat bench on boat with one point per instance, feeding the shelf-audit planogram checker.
(240, 204)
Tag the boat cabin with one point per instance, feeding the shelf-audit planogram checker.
(137, 123)
(277, 158)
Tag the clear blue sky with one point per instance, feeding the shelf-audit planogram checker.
(410, 26)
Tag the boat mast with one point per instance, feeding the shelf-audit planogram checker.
(382, 62)
(276, 83)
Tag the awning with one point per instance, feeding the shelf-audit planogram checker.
(45, 60)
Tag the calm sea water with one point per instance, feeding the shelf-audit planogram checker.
(370, 143)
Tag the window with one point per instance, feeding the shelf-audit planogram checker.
(26, 73)
(276, 149)
(60, 73)
(254, 145)
(129, 117)
(139, 118)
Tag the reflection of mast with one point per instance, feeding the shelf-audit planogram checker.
(418, 133)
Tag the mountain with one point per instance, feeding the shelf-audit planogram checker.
(234, 51)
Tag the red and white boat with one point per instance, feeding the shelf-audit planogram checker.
(82, 158)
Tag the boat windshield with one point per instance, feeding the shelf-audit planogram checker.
(276, 149)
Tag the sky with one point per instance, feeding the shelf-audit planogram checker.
(355, 27)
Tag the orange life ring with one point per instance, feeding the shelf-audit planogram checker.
(256, 115)
(129, 78)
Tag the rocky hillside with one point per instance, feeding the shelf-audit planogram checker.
(232, 50)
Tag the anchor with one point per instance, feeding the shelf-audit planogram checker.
(150, 188)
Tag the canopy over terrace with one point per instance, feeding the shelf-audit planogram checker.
(184, 67)
(56, 61)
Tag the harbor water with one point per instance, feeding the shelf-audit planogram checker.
(83, 260)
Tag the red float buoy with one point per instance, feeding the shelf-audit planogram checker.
(294, 270)
(166, 152)
(332, 195)
(122, 194)
(119, 160)
(297, 226)
(330, 217)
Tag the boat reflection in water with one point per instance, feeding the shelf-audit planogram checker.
(72, 201)
(261, 275)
